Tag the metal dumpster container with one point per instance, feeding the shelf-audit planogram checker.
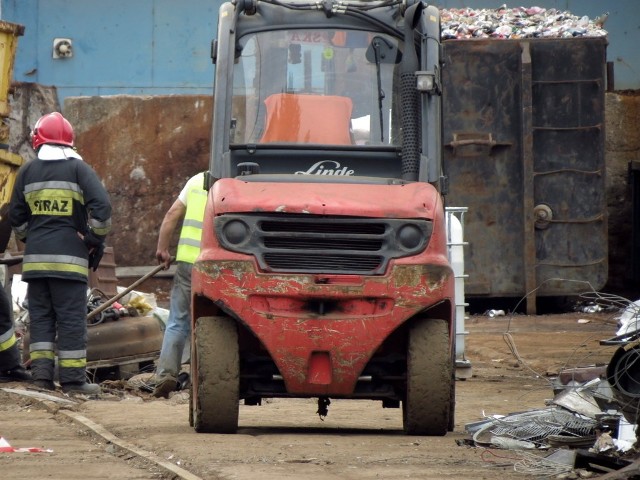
(523, 138)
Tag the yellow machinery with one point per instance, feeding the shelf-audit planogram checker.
(9, 162)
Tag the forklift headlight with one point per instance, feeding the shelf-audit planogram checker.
(235, 232)
(410, 237)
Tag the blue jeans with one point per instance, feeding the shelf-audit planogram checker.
(178, 329)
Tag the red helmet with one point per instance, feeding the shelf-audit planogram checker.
(52, 128)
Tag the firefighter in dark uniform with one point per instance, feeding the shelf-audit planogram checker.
(62, 212)
(11, 369)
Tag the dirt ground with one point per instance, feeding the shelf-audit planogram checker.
(127, 434)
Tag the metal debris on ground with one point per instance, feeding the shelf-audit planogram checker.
(518, 22)
(543, 466)
(594, 413)
(603, 443)
(598, 302)
(534, 427)
(529, 463)
(581, 398)
(628, 320)
(592, 308)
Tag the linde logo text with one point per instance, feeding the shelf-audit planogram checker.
(327, 167)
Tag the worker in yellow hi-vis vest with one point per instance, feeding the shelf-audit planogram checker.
(188, 207)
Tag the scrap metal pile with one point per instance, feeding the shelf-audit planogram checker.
(584, 428)
(592, 423)
(518, 22)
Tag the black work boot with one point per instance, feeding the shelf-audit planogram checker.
(44, 384)
(84, 388)
(16, 374)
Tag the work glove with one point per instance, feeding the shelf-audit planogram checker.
(95, 244)
(92, 240)
(95, 256)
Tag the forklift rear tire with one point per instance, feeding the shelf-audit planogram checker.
(427, 404)
(216, 379)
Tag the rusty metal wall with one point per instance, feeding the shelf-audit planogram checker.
(144, 149)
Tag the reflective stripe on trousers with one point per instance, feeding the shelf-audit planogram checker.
(58, 307)
(9, 353)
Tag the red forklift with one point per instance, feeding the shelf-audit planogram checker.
(324, 270)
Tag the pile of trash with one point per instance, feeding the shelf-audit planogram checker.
(124, 332)
(582, 427)
(519, 22)
(592, 422)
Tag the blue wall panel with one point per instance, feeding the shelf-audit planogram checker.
(182, 42)
(163, 46)
(120, 46)
(112, 48)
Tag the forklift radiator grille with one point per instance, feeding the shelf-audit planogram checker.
(331, 263)
(323, 245)
(318, 244)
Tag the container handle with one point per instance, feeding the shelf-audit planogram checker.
(474, 144)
